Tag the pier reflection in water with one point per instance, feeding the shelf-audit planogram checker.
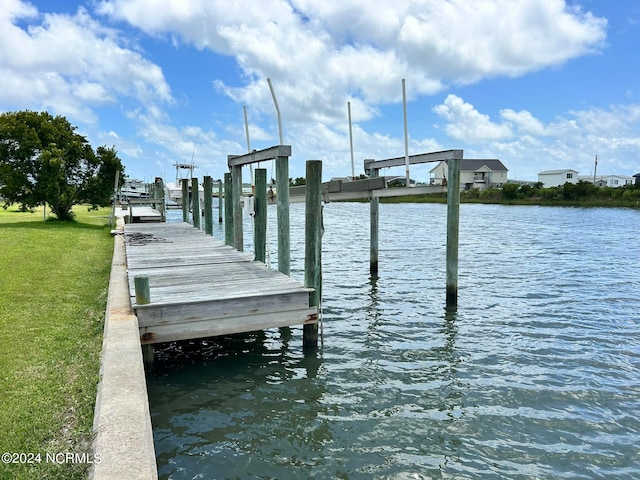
(536, 375)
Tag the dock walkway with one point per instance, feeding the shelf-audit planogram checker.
(200, 287)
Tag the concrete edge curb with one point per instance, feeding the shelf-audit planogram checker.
(123, 444)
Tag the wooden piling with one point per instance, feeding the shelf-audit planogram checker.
(195, 202)
(282, 200)
(142, 291)
(313, 246)
(143, 297)
(374, 212)
(208, 205)
(228, 210)
(220, 201)
(185, 200)
(236, 198)
(453, 219)
(260, 217)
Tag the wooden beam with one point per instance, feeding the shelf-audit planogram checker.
(226, 326)
(413, 159)
(369, 194)
(259, 156)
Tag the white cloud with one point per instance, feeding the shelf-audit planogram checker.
(524, 142)
(467, 124)
(70, 64)
(321, 54)
(524, 121)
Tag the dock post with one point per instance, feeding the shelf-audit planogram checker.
(282, 199)
(453, 223)
(220, 201)
(236, 180)
(185, 200)
(142, 292)
(195, 202)
(143, 297)
(228, 210)
(374, 209)
(208, 205)
(260, 218)
(160, 196)
(313, 247)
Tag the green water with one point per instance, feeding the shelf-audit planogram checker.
(536, 375)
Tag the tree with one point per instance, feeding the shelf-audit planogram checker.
(44, 161)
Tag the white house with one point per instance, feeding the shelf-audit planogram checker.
(557, 178)
(474, 173)
(613, 181)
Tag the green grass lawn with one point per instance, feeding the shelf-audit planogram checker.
(53, 291)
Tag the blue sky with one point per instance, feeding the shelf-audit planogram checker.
(539, 84)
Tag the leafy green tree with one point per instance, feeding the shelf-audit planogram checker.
(44, 161)
(297, 181)
(510, 190)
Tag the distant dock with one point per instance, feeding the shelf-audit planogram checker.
(200, 287)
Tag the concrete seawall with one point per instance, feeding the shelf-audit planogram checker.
(123, 444)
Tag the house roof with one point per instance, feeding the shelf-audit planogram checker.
(555, 172)
(475, 164)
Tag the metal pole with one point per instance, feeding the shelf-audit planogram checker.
(353, 169)
(406, 132)
(246, 133)
(275, 102)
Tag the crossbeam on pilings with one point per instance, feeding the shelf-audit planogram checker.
(259, 156)
(453, 159)
(444, 155)
(281, 154)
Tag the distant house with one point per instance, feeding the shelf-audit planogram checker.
(556, 178)
(474, 173)
(612, 181)
(637, 177)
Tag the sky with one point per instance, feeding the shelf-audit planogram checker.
(538, 84)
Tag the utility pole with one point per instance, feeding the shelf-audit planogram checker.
(594, 170)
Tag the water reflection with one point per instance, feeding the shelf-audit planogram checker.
(249, 400)
(532, 376)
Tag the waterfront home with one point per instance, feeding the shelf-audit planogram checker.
(613, 181)
(474, 173)
(557, 178)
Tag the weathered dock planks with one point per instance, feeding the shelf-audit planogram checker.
(200, 287)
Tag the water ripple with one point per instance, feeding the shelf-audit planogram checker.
(536, 375)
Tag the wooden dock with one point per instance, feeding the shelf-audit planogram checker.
(200, 287)
(146, 210)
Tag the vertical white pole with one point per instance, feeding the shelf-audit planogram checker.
(275, 101)
(406, 133)
(353, 170)
(246, 132)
